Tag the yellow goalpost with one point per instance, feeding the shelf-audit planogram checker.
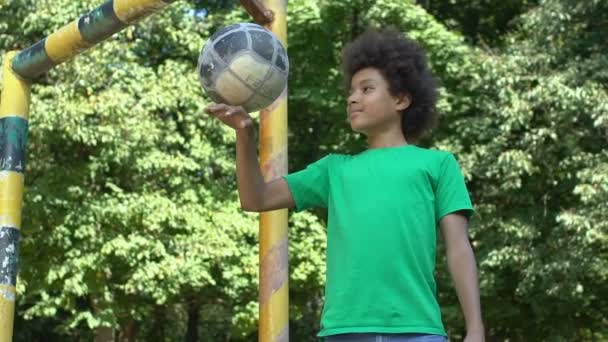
(21, 68)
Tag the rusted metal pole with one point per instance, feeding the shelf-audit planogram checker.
(260, 13)
(274, 262)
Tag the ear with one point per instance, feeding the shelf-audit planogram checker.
(402, 102)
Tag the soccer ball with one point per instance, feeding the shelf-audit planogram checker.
(243, 65)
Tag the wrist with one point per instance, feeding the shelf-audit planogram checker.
(247, 130)
(476, 327)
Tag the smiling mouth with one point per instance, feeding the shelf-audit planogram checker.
(354, 114)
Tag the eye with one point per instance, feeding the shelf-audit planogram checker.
(367, 89)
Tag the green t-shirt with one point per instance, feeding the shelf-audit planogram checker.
(384, 206)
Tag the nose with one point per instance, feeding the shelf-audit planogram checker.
(353, 98)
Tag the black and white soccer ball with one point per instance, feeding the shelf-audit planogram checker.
(245, 65)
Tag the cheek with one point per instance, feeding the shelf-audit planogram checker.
(373, 103)
(376, 107)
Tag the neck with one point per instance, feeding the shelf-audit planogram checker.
(391, 138)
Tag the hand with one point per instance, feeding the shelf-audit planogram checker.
(475, 336)
(233, 116)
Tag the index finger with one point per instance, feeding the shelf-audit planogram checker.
(211, 108)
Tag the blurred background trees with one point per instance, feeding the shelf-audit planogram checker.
(131, 217)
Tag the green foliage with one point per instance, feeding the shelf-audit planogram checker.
(131, 218)
(482, 22)
(532, 137)
(131, 215)
(528, 124)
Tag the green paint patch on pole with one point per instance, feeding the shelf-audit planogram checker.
(33, 61)
(99, 24)
(13, 141)
(9, 255)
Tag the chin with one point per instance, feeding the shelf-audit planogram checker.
(356, 126)
(357, 129)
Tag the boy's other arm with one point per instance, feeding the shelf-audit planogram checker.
(463, 269)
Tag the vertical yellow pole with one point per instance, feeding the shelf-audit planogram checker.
(274, 286)
(14, 108)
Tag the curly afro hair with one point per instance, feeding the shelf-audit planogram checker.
(403, 64)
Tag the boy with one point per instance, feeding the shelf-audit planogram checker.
(384, 204)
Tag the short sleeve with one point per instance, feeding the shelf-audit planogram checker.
(310, 187)
(451, 193)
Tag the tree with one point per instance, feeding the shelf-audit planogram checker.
(482, 22)
(131, 218)
(528, 124)
(131, 214)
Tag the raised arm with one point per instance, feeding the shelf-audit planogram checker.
(254, 193)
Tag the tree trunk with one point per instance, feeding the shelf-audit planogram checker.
(157, 332)
(193, 320)
(128, 331)
(104, 334)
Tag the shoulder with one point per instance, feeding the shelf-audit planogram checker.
(439, 163)
(434, 155)
(329, 158)
(326, 162)
(336, 158)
